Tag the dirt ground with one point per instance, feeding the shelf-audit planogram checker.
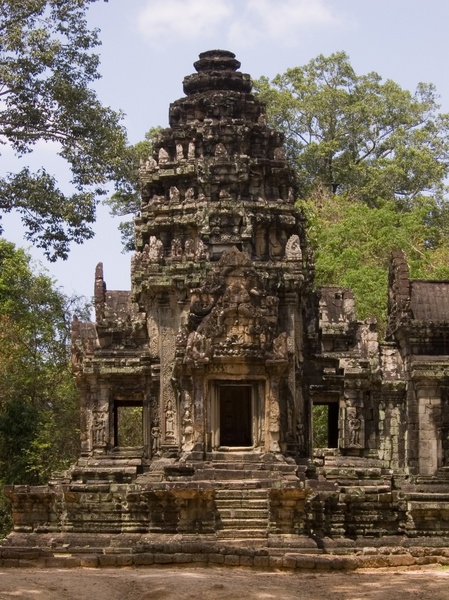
(222, 584)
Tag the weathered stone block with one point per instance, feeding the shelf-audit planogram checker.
(261, 561)
(106, 560)
(62, 562)
(143, 559)
(89, 561)
(163, 559)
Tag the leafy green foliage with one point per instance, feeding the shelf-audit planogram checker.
(320, 414)
(126, 199)
(371, 162)
(357, 135)
(5, 514)
(46, 68)
(353, 244)
(38, 399)
(129, 425)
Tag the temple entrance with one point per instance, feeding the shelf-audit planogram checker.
(235, 415)
(128, 424)
(325, 425)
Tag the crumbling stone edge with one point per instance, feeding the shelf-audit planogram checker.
(195, 555)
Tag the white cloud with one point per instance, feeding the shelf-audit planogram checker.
(235, 22)
(282, 21)
(287, 14)
(182, 19)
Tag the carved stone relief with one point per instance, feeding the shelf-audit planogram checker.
(98, 429)
(176, 250)
(293, 249)
(232, 315)
(154, 250)
(163, 156)
(353, 428)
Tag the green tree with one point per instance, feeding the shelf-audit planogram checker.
(371, 162)
(358, 135)
(320, 416)
(126, 198)
(354, 242)
(38, 398)
(46, 68)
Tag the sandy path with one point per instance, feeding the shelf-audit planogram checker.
(221, 584)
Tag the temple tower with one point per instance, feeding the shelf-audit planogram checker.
(198, 386)
(218, 272)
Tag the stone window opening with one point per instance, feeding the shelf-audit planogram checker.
(128, 424)
(444, 429)
(325, 424)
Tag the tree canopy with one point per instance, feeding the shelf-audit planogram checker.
(47, 66)
(359, 135)
(38, 399)
(126, 198)
(372, 161)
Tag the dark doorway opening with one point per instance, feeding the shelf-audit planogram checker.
(325, 425)
(235, 415)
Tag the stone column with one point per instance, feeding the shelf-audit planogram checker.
(294, 400)
(429, 432)
(85, 438)
(272, 418)
(198, 405)
(169, 404)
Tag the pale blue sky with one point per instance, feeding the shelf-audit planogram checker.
(150, 45)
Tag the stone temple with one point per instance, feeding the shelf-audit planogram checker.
(199, 386)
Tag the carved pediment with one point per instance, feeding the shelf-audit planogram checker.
(231, 314)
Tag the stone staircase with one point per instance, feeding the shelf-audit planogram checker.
(233, 495)
(266, 469)
(248, 489)
(243, 513)
(228, 469)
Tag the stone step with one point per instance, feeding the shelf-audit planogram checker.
(238, 534)
(243, 504)
(113, 475)
(246, 466)
(356, 481)
(90, 487)
(298, 548)
(241, 493)
(213, 475)
(234, 457)
(244, 524)
(243, 513)
(432, 497)
(287, 542)
(236, 484)
(351, 473)
(359, 463)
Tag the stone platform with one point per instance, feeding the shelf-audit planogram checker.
(274, 552)
(241, 509)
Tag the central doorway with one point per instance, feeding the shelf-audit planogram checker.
(235, 415)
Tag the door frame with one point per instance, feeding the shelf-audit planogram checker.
(257, 412)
